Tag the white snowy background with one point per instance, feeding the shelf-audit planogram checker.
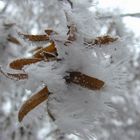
(125, 6)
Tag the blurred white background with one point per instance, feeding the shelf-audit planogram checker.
(125, 6)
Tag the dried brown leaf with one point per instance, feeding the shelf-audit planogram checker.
(84, 80)
(51, 49)
(17, 76)
(20, 63)
(14, 76)
(104, 40)
(32, 102)
(48, 56)
(13, 40)
(36, 37)
(101, 40)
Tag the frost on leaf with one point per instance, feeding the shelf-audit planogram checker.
(101, 40)
(32, 102)
(104, 40)
(20, 63)
(46, 53)
(14, 76)
(84, 80)
(51, 49)
(35, 37)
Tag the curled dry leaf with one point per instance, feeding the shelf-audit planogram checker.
(32, 102)
(51, 49)
(48, 56)
(20, 63)
(84, 80)
(35, 37)
(15, 76)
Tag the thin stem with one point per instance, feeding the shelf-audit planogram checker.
(136, 15)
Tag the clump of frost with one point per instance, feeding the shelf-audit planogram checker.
(75, 108)
(83, 18)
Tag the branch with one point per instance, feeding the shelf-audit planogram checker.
(136, 15)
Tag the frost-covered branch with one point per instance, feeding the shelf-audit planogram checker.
(136, 15)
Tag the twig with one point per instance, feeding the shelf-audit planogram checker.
(136, 15)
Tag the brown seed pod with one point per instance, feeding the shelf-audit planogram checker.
(20, 63)
(84, 80)
(35, 38)
(102, 40)
(51, 48)
(32, 102)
